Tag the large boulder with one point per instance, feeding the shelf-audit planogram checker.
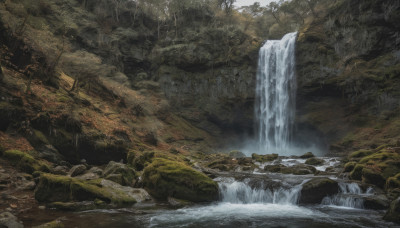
(25, 162)
(164, 178)
(9, 220)
(314, 161)
(316, 189)
(120, 173)
(53, 188)
(393, 214)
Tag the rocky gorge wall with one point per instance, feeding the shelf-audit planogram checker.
(348, 66)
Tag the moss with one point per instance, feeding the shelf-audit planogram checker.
(25, 162)
(370, 176)
(140, 162)
(40, 136)
(53, 188)
(356, 174)
(164, 178)
(314, 161)
(307, 155)
(393, 182)
(236, 154)
(264, 158)
(361, 153)
(349, 166)
(382, 155)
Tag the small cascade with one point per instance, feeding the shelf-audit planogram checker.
(350, 195)
(241, 193)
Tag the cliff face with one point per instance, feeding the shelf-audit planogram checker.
(348, 66)
(209, 78)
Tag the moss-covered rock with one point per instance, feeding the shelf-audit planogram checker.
(370, 176)
(53, 188)
(361, 153)
(316, 189)
(356, 174)
(121, 173)
(393, 214)
(307, 155)
(393, 182)
(164, 178)
(140, 161)
(349, 166)
(25, 162)
(264, 158)
(314, 161)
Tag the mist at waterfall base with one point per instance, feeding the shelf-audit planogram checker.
(275, 105)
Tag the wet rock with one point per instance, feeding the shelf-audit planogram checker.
(53, 188)
(49, 153)
(120, 173)
(96, 170)
(77, 170)
(376, 202)
(316, 189)
(177, 203)
(393, 214)
(274, 168)
(314, 161)
(60, 170)
(164, 178)
(307, 155)
(9, 220)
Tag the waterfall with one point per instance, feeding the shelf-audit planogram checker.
(275, 94)
(350, 195)
(241, 193)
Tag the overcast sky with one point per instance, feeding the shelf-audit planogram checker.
(240, 3)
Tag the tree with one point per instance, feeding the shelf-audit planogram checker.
(227, 5)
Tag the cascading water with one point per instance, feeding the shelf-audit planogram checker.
(241, 193)
(275, 94)
(350, 195)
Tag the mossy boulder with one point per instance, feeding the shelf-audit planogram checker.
(53, 188)
(165, 178)
(77, 170)
(120, 173)
(314, 161)
(140, 161)
(274, 168)
(264, 158)
(393, 182)
(316, 189)
(25, 162)
(356, 174)
(361, 153)
(307, 155)
(298, 170)
(371, 176)
(349, 166)
(393, 214)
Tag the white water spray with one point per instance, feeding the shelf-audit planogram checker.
(276, 95)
